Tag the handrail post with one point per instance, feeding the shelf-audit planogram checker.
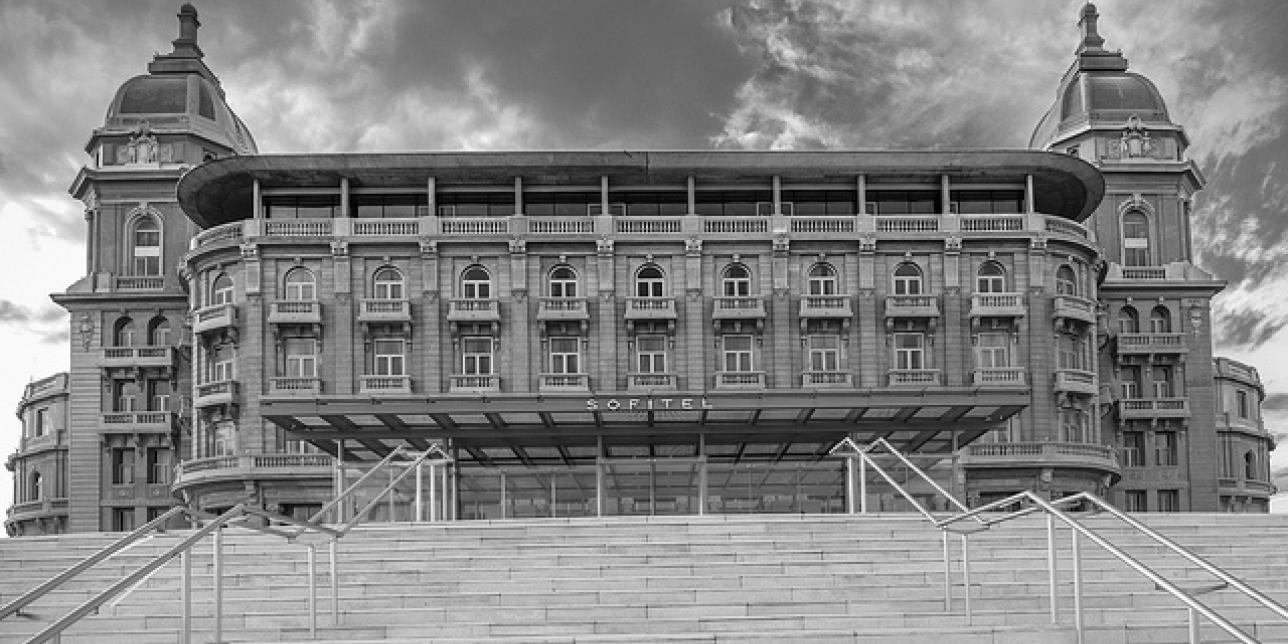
(218, 582)
(863, 485)
(1077, 587)
(185, 634)
(313, 591)
(420, 501)
(970, 615)
(948, 574)
(433, 494)
(1194, 626)
(1052, 569)
(335, 584)
(849, 485)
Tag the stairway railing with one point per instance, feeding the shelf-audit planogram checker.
(237, 516)
(1053, 513)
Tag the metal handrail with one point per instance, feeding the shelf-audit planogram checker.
(1193, 604)
(237, 515)
(39, 591)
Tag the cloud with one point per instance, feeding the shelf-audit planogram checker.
(1275, 402)
(1248, 327)
(13, 313)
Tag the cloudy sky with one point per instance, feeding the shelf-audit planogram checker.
(349, 76)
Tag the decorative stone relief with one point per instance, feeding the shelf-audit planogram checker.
(1134, 143)
(143, 148)
(604, 247)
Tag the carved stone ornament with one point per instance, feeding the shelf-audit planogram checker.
(604, 247)
(143, 148)
(868, 244)
(693, 247)
(250, 251)
(1134, 143)
(86, 329)
(428, 248)
(339, 248)
(91, 203)
(952, 244)
(781, 243)
(518, 246)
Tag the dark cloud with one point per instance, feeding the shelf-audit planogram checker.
(1275, 402)
(13, 313)
(1248, 328)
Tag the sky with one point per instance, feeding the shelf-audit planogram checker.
(349, 75)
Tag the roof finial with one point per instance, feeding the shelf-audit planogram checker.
(186, 44)
(1091, 40)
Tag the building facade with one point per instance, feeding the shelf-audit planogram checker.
(642, 332)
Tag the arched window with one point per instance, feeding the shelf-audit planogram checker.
(36, 489)
(1128, 320)
(300, 285)
(387, 284)
(159, 332)
(991, 278)
(123, 333)
(476, 284)
(1160, 320)
(649, 281)
(736, 281)
(145, 241)
(563, 282)
(1066, 282)
(907, 279)
(1136, 239)
(822, 280)
(221, 290)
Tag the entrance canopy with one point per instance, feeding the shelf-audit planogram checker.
(551, 429)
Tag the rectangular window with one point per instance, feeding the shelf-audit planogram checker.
(1169, 500)
(1241, 401)
(126, 395)
(737, 353)
(1075, 427)
(824, 352)
(650, 354)
(158, 465)
(223, 439)
(1069, 352)
(388, 358)
(565, 355)
(158, 395)
(1163, 382)
(1130, 382)
(301, 358)
(222, 363)
(123, 519)
(42, 422)
(1133, 449)
(909, 351)
(1134, 501)
(993, 350)
(122, 466)
(476, 355)
(1165, 449)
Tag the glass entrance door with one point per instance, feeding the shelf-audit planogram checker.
(652, 487)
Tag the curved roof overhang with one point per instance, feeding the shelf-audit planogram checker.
(221, 191)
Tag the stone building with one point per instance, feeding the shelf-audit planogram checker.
(644, 332)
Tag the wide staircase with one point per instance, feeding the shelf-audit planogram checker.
(874, 579)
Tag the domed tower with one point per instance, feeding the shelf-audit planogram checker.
(1155, 304)
(130, 366)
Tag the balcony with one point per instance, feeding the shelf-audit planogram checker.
(474, 383)
(738, 308)
(1232, 486)
(1017, 455)
(290, 386)
(141, 421)
(384, 385)
(825, 379)
(650, 308)
(250, 467)
(220, 392)
(42, 509)
(740, 380)
(651, 381)
(48, 440)
(214, 318)
(1151, 343)
(826, 306)
(373, 311)
(139, 283)
(912, 306)
(473, 310)
(150, 356)
(295, 312)
(913, 377)
(1076, 381)
(997, 305)
(562, 309)
(1150, 408)
(1000, 377)
(564, 382)
(1072, 307)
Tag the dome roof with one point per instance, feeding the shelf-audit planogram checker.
(172, 101)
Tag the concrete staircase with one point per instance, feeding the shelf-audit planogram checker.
(874, 579)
